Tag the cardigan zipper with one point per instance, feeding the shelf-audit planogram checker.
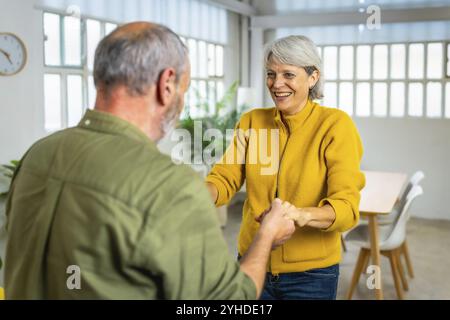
(277, 182)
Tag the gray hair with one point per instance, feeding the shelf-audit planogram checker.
(298, 51)
(136, 59)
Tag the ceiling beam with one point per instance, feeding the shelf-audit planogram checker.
(351, 17)
(235, 6)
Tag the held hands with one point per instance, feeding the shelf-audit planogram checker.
(276, 224)
(298, 215)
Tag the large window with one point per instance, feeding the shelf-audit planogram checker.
(69, 46)
(207, 77)
(388, 80)
(69, 90)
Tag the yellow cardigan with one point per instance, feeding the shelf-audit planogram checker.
(319, 163)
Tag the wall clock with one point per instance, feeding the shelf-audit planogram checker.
(13, 54)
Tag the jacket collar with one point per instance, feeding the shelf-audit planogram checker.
(108, 123)
(295, 121)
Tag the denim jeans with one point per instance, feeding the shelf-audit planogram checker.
(315, 284)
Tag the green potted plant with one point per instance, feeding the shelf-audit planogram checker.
(225, 117)
(6, 174)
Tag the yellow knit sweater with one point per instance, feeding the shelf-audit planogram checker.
(319, 163)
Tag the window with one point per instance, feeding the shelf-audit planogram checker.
(388, 80)
(69, 90)
(69, 47)
(207, 78)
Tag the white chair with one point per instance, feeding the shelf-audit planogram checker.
(385, 220)
(392, 240)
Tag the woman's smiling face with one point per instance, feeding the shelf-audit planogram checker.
(288, 85)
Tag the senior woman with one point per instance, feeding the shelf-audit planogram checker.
(317, 172)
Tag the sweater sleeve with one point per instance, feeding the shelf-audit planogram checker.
(228, 175)
(345, 179)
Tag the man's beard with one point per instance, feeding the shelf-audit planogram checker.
(171, 118)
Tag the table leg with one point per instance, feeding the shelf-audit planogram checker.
(375, 252)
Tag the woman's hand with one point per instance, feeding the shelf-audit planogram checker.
(300, 216)
(319, 218)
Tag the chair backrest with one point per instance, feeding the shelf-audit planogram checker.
(413, 181)
(398, 234)
(416, 178)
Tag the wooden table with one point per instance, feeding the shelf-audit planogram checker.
(379, 197)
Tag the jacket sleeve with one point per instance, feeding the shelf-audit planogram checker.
(184, 247)
(343, 153)
(228, 175)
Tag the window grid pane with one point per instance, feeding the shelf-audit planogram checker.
(52, 45)
(91, 92)
(434, 99)
(219, 61)
(74, 99)
(192, 45)
(447, 100)
(434, 60)
(363, 62)
(415, 98)
(380, 99)
(448, 61)
(330, 62)
(398, 61)
(212, 96)
(416, 61)
(211, 60)
(330, 94)
(346, 62)
(72, 41)
(346, 97)
(363, 99)
(397, 103)
(203, 59)
(52, 101)
(93, 38)
(380, 56)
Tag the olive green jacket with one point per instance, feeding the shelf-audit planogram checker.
(97, 212)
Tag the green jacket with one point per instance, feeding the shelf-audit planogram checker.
(102, 198)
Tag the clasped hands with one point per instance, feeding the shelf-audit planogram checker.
(280, 219)
(300, 217)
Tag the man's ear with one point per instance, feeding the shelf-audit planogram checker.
(166, 86)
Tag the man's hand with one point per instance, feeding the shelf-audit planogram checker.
(212, 191)
(275, 224)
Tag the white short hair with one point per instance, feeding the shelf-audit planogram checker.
(297, 51)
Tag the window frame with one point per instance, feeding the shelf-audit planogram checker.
(443, 80)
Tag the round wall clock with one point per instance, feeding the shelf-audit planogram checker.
(13, 54)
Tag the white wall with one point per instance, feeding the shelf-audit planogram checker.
(21, 96)
(407, 145)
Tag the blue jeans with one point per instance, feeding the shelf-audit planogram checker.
(315, 284)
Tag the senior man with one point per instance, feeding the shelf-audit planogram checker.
(97, 212)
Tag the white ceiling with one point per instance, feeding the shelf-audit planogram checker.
(273, 7)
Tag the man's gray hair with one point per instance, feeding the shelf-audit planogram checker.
(136, 59)
(297, 51)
